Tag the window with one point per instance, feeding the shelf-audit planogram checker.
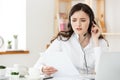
(13, 22)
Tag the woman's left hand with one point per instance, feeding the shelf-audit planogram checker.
(95, 31)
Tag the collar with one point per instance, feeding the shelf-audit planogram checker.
(76, 35)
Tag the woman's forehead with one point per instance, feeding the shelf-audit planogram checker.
(79, 14)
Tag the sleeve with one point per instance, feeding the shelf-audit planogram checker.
(54, 47)
(40, 63)
(103, 47)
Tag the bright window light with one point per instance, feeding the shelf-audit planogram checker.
(13, 22)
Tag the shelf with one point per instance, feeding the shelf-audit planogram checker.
(14, 52)
(110, 33)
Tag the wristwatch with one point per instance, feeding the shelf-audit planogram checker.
(1, 41)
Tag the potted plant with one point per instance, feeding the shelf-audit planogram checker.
(2, 70)
(14, 75)
(9, 45)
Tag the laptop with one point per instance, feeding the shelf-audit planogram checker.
(109, 66)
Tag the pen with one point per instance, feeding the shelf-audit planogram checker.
(47, 78)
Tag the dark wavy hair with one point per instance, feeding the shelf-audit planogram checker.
(65, 35)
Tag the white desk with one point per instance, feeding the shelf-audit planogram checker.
(9, 78)
(17, 78)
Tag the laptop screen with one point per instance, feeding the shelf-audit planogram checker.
(109, 66)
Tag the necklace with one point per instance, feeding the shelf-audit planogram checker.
(85, 60)
(84, 54)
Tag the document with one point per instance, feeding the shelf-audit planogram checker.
(62, 63)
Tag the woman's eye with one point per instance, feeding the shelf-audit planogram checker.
(83, 20)
(74, 20)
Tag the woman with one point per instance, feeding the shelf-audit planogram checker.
(83, 42)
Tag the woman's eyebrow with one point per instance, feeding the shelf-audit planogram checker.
(82, 18)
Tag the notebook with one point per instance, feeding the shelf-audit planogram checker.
(109, 66)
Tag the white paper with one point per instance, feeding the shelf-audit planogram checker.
(62, 63)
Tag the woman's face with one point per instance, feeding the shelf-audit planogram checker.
(80, 22)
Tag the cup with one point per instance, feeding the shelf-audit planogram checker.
(2, 72)
(23, 70)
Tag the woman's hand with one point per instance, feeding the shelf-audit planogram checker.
(48, 70)
(96, 31)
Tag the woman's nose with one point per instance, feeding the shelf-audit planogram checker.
(79, 23)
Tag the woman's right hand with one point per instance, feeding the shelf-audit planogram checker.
(48, 70)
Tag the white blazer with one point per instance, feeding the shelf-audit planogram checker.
(76, 53)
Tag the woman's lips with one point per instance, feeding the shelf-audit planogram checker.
(79, 29)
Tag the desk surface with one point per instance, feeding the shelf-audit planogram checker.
(55, 78)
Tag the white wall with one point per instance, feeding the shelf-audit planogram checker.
(40, 15)
(112, 17)
(39, 24)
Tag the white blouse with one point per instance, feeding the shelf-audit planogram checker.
(76, 53)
